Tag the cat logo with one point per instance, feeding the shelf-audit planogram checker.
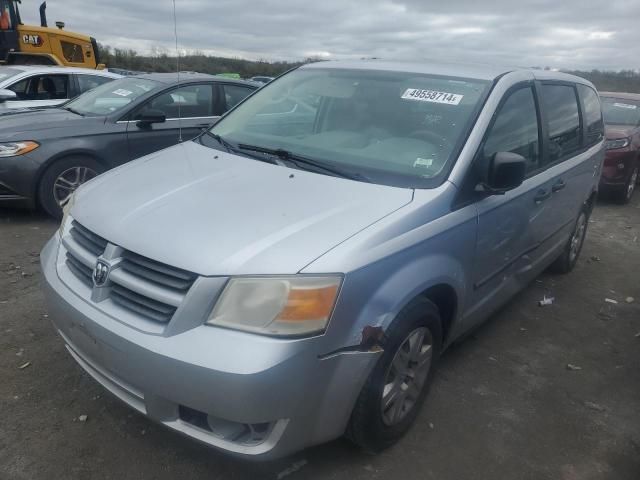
(35, 40)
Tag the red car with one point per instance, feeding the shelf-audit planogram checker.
(622, 119)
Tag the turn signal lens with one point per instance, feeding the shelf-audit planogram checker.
(304, 304)
(15, 149)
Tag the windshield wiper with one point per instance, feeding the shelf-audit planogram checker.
(220, 140)
(301, 161)
(231, 149)
(69, 109)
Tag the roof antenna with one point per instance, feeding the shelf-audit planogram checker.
(175, 32)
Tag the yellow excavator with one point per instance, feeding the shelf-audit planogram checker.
(32, 45)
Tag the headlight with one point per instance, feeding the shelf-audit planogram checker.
(13, 149)
(66, 218)
(616, 144)
(280, 306)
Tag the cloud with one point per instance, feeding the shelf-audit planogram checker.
(568, 34)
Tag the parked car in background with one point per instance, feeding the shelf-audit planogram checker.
(45, 154)
(622, 163)
(294, 272)
(41, 86)
(127, 73)
(261, 79)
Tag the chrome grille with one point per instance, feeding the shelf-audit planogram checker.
(89, 240)
(80, 270)
(145, 288)
(158, 311)
(157, 272)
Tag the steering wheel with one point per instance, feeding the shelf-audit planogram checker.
(431, 137)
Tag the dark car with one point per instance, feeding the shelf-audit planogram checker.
(622, 118)
(45, 154)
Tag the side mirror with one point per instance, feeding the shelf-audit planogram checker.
(149, 117)
(506, 172)
(6, 94)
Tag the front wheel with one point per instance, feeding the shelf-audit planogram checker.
(62, 178)
(395, 390)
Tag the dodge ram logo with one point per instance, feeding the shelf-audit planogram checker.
(101, 273)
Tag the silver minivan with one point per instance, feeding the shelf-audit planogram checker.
(294, 273)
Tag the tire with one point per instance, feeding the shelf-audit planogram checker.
(571, 252)
(371, 426)
(624, 195)
(65, 176)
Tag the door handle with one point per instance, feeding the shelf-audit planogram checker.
(541, 195)
(559, 185)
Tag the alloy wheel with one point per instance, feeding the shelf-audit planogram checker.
(406, 376)
(69, 181)
(632, 183)
(578, 237)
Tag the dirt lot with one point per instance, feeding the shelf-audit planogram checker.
(505, 404)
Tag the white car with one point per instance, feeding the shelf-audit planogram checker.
(43, 86)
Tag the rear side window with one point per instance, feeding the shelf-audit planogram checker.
(592, 113)
(561, 106)
(42, 87)
(516, 129)
(89, 82)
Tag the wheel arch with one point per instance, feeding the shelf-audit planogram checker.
(445, 298)
(591, 201)
(439, 278)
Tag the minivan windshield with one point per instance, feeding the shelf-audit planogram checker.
(111, 97)
(395, 128)
(619, 111)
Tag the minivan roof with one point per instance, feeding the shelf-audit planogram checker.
(461, 70)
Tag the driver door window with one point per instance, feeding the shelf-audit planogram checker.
(516, 129)
(195, 105)
(42, 87)
(192, 101)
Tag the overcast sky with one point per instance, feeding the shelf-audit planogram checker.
(557, 33)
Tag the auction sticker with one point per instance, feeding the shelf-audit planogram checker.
(432, 96)
(122, 92)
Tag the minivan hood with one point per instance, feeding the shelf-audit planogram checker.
(215, 213)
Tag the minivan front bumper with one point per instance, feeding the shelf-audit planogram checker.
(202, 383)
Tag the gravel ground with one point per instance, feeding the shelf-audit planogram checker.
(504, 405)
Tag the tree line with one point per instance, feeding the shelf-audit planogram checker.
(608, 81)
(159, 60)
